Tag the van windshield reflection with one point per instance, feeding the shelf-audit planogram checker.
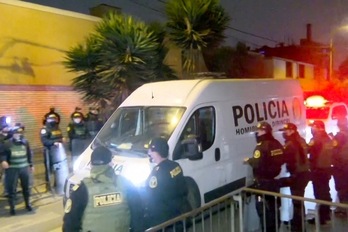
(130, 129)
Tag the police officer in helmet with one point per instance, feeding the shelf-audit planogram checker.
(51, 136)
(266, 162)
(295, 152)
(103, 202)
(320, 153)
(78, 133)
(16, 159)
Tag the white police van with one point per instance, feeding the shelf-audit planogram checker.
(209, 124)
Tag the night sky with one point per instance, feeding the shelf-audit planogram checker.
(254, 22)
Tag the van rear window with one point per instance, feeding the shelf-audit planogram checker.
(318, 113)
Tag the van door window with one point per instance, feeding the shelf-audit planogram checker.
(202, 125)
(338, 112)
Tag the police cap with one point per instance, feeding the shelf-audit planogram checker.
(264, 126)
(159, 145)
(289, 126)
(101, 156)
(318, 124)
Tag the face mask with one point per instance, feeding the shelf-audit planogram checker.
(77, 120)
(17, 137)
(285, 136)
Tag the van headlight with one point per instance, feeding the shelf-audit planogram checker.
(137, 173)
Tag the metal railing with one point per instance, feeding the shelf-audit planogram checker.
(229, 213)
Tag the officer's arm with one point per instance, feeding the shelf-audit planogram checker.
(74, 209)
(29, 153)
(44, 138)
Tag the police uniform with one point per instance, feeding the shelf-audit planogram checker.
(166, 188)
(295, 152)
(93, 122)
(266, 163)
(320, 155)
(50, 134)
(340, 160)
(17, 153)
(103, 202)
(78, 133)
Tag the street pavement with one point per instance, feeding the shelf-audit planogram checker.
(48, 207)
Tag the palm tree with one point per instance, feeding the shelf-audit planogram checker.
(195, 25)
(122, 54)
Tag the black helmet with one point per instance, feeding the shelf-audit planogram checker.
(4, 122)
(264, 126)
(77, 115)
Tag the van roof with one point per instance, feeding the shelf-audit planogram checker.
(184, 92)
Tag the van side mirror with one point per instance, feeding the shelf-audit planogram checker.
(192, 147)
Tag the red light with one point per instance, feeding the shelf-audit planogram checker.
(315, 101)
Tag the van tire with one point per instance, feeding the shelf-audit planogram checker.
(193, 196)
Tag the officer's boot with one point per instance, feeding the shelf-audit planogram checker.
(27, 203)
(12, 206)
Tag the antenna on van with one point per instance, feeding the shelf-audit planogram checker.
(152, 97)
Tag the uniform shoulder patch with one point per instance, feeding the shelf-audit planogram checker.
(68, 205)
(153, 182)
(257, 154)
(43, 131)
(75, 187)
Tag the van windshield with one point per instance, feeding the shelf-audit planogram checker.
(129, 129)
(317, 113)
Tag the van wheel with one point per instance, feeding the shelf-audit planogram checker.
(193, 196)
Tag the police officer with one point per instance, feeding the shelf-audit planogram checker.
(51, 111)
(340, 160)
(51, 136)
(78, 133)
(266, 163)
(16, 159)
(103, 202)
(93, 122)
(320, 154)
(166, 190)
(295, 152)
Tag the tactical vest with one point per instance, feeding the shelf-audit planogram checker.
(18, 157)
(80, 131)
(107, 209)
(55, 134)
